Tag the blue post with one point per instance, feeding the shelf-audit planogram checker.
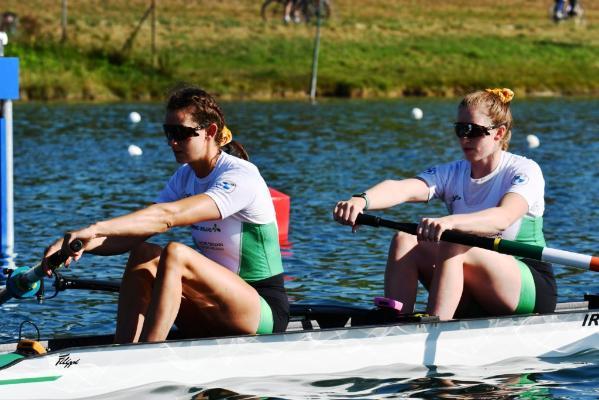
(9, 90)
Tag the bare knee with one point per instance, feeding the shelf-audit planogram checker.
(449, 250)
(401, 243)
(173, 252)
(144, 253)
(173, 258)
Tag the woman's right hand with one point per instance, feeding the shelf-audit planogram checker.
(84, 235)
(346, 212)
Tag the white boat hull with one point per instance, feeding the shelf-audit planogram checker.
(85, 372)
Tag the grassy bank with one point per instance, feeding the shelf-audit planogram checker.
(370, 48)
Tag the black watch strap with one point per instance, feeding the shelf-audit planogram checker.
(362, 195)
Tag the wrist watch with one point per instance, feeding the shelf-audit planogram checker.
(363, 195)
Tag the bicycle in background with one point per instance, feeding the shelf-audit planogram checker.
(295, 10)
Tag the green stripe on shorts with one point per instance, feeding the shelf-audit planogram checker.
(528, 292)
(266, 321)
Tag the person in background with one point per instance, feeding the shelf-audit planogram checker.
(491, 192)
(565, 9)
(232, 282)
(292, 11)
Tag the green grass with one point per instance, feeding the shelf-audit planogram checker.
(371, 49)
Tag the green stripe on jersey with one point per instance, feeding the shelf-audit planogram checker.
(531, 231)
(260, 252)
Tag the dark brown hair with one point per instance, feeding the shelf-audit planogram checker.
(204, 111)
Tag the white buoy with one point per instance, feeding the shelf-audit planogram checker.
(134, 117)
(134, 150)
(417, 113)
(533, 141)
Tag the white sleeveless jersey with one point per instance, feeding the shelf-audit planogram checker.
(246, 240)
(515, 174)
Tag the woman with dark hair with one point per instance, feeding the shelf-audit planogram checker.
(232, 282)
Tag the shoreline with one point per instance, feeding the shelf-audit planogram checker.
(377, 49)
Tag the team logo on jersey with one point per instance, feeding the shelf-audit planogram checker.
(456, 197)
(520, 179)
(430, 171)
(227, 186)
(202, 228)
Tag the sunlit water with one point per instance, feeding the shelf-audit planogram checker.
(72, 168)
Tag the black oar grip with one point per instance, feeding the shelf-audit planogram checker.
(367, 219)
(447, 236)
(58, 258)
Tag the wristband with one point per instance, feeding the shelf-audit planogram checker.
(363, 195)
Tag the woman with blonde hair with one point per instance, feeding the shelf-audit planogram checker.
(491, 192)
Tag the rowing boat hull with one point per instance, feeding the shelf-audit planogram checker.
(89, 371)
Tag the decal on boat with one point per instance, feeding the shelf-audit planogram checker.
(66, 360)
(591, 320)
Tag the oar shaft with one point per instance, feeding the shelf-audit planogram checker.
(570, 258)
(499, 245)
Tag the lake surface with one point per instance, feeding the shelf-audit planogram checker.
(72, 168)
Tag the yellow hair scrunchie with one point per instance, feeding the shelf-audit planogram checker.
(505, 95)
(226, 136)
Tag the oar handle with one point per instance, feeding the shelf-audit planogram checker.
(447, 236)
(25, 282)
(54, 262)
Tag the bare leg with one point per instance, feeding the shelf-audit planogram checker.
(136, 291)
(492, 279)
(408, 261)
(288, 10)
(217, 294)
(447, 285)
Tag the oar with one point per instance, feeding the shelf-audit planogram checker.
(495, 244)
(25, 282)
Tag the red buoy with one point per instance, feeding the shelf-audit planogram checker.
(282, 204)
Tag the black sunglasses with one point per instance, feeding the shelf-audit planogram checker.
(469, 130)
(179, 133)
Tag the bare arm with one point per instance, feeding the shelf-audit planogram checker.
(486, 222)
(120, 234)
(158, 218)
(390, 193)
(383, 195)
(109, 246)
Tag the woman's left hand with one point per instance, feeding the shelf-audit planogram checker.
(431, 229)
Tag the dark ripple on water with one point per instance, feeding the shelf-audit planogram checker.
(72, 168)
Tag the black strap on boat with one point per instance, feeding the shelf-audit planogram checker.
(30, 323)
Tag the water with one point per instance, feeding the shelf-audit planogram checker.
(72, 168)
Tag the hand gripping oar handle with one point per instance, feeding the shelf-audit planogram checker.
(499, 245)
(24, 282)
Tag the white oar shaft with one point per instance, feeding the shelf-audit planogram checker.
(568, 258)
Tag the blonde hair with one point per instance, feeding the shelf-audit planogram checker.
(496, 104)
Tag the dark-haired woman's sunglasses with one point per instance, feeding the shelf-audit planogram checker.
(469, 130)
(179, 133)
